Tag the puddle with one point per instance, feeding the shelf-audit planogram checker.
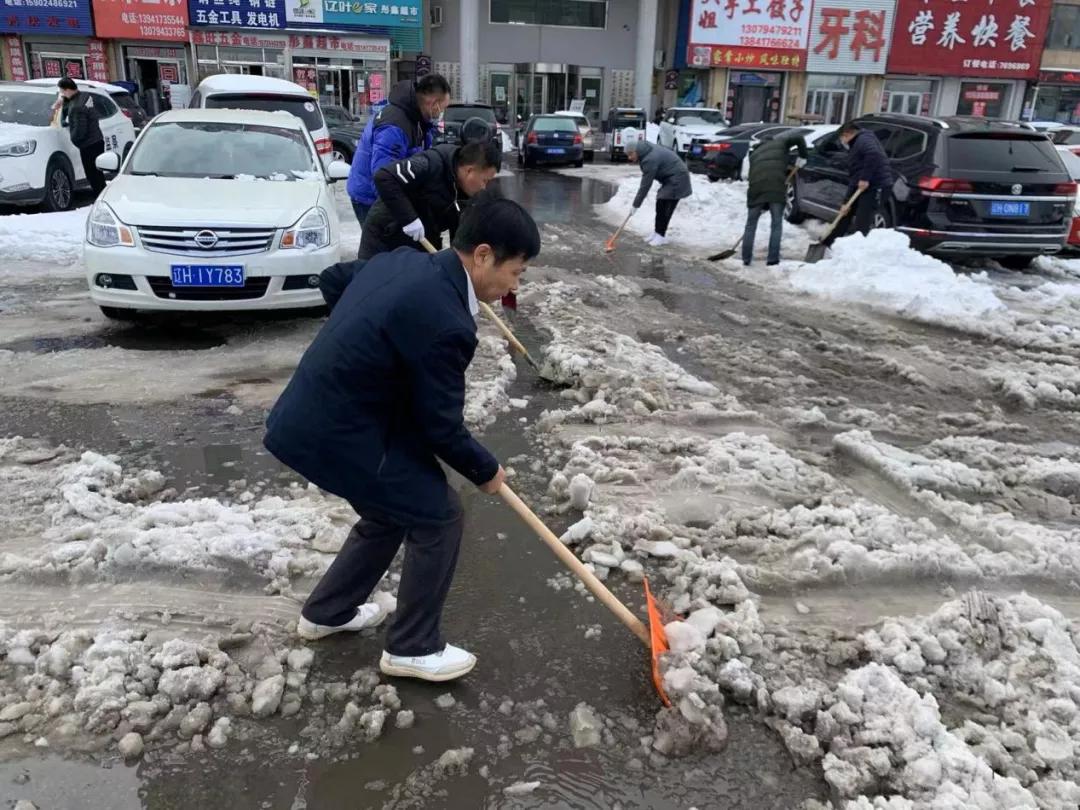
(554, 198)
(135, 338)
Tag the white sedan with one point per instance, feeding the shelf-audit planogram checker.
(682, 124)
(214, 210)
(38, 163)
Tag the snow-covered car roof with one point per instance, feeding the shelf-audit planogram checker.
(83, 84)
(238, 83)
(571, 114)
(30, 88)
(278, 118)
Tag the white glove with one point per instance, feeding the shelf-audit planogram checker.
(800, 162)
(414, 230)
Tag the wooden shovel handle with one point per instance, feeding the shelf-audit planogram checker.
(599, 590)
(843, 211)
(615, 235)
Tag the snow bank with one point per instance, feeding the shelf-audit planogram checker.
(882, 271)
(55, 240)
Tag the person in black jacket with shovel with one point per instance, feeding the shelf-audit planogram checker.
(870, 174)
(81, 119)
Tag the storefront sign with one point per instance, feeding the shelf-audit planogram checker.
(169, 73)
(56, 17)
(318, 45)
(353, 13)
(375, 88)
(234, 39)
(850, 36)
(1059, 76)
(16, 61)
(97, 64)
(143, 52)
(237, 13)
(423, 65)
(981, 38)
(758, 33)
(141, 19)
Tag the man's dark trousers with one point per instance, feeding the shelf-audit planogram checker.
(862, 212)
(431, 554)
(93, 174)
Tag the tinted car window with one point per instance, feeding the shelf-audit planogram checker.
(980, 152)
(124, 100)
(769, 134)
(463, 113)
(554, 125)
(105, 105)
(635, 121)
(304, 109)
(906, 143)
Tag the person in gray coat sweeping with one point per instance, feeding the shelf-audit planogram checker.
(658, 163)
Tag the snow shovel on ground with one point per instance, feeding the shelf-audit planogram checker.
(609, 245)
(652, 637)
(727, 254)
(816, 251)
(517, 345)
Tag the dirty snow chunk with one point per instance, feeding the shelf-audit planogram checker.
(131, 745)
(455, 760)
(684, 637)
(445, 701)
(662, 549)
(266, 697)
(797, 702)
(585, 726)
(191, 683)
(863, 270)
(578, 531)
(705, 619)
(521, 788)
(219, 734)
(301, 659)
(406, 718)
(581, 489)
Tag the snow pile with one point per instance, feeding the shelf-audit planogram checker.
(55, 240)
(882, 271)
(1032, 383)
(487, 381)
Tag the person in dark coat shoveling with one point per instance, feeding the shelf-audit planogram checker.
(658, 163)
(869, 170)
(768, 192)
(375, 403)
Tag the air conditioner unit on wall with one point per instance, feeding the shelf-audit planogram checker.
(436, 16)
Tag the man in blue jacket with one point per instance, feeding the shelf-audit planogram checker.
(869, 170)
(375, 403)
(401, 129)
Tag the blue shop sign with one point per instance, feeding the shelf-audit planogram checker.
(353, 13)
(237, 13)
(55, 17)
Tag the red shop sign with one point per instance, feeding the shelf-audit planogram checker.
(982, 38)
(1059, 76)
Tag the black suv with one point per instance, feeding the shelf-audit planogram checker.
(448, 129)
(962, 186)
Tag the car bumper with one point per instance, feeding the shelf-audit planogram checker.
(22, 181)
(539, 154)
(148, 269)
(984, 243)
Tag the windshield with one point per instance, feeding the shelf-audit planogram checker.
(554, 125)
(974, 153)
(690, 118)
(460, 114)
(626, 120)
(303, 108)
(216, 150)
(20, 107)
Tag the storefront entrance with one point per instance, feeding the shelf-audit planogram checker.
(753, 96)
(830, 98)
(538, 88)
(161, 75)
(908, 96)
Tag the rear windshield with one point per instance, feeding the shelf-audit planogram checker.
(698, 117)
(555, 125)
(304, 109)
(635, 121)
(976, 153)
(461, 114)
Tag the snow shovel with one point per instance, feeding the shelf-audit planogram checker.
(510, 337)
(816, 251)
(727, 254)
(653, 637)
(609, 245)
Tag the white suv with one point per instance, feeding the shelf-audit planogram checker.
(238, 91)
(39, 165)
(213, 210)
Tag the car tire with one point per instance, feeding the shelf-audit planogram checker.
(342, 152)
(579, 163)
(792, 212)
(886, 217)
(529, 164)
(59, 185)
(1016, 262)
(589, 156)
(118, 313)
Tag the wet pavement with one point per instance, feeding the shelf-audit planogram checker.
(530, 638)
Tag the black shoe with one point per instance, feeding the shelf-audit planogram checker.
(771, 264)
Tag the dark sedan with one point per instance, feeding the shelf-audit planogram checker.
(345, 130)
(720, 156)
(551, 139)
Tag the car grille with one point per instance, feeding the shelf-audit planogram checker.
(182, 240)
(253, 288)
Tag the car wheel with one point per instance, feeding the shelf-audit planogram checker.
(885, 217)
(59, 185)
(529, 163)
(341, 152)
(792, 213)
(1016, 262)
(579, 163)
(589, 157)
(118, 314)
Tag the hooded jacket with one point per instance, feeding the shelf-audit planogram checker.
(658, 163)
(422, 187)
(398, 131)
(81, 119)
(769, 168)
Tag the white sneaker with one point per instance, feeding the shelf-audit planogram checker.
(368, 615)
(451, 663)
(658, 240)
(652, 239)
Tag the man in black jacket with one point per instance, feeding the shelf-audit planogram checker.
(81, 119)
(423, 195)
(869, 170)
(376, 401)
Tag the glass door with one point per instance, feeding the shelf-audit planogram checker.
(831, 105)
(590, 91)
(500, 96)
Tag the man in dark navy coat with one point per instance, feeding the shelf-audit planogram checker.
(374, 405)
(869, 170)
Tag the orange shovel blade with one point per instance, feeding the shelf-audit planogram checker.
(659, 643)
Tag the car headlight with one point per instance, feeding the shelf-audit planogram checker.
(312, 230)
(20, 149)
(103, 229)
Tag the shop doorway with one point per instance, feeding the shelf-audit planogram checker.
(753, 97)
(831, 105)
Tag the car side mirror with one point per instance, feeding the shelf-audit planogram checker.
(108, 162)
(338, 170)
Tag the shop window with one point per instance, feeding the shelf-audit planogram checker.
(1064, 32)
(573, 13)
(983, 99)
